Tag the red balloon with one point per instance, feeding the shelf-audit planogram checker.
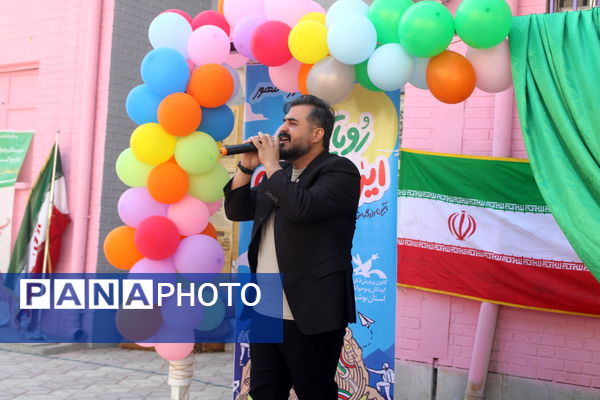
(157, 237)
(211, 17)
(269, 43)
(182, 13)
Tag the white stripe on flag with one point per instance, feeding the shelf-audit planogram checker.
(531, 235)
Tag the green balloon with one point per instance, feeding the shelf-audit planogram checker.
(483, 23)
(196, 153)
(208, 187)
(426, 29)
(362, 76)
(385, 16)
(130, 170)
(212, 316)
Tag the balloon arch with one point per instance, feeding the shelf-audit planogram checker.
(172, 165)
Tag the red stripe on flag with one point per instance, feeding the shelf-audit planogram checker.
(496, 281)
(58, 225)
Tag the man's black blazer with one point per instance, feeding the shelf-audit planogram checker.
(314, 226)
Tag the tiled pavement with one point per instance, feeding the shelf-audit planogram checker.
(107, 374)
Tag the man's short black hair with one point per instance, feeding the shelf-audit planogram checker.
(322, 114)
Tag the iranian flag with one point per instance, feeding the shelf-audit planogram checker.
(478, 227)
(28, 251)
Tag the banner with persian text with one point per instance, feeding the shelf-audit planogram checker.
(366, 132)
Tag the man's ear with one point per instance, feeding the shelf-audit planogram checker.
(318, 134)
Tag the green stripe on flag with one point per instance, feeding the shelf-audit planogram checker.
(475, 178)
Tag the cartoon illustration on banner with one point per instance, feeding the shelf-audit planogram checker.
(366, 132)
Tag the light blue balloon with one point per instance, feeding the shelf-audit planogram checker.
(390, 67)
(418, 77)
(217, 122)
(345, 7)
(236, 80)
(165, 71)
(352, 38)
(142, 105)
(170, 30)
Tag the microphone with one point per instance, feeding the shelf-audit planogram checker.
(237, 149)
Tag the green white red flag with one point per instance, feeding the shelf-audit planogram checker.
(28, 250)
(479, 228)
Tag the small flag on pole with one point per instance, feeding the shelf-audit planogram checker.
(49, 194)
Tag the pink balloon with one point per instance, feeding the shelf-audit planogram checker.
(313, 6)
(199, 254)
(174, 351)
(182, 13)
(236, 60)
(190, 215)
(149, 266)
(285, 77)
(208, 45)
(136, 204)
(492, 67)
(236, 10)
(289, 11)
(156, 237)
(214, 206)
(242, 34)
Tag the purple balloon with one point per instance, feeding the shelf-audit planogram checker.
(199, 254)
(242, 34)
(182, 317)
(149, 266)
(136, 204)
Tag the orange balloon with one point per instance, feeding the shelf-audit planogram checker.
(119, 248)
(450, 77)
(211, 85)
(302, 75)
(168, 183)
(179, 114)
(210, 231)
(220, 6)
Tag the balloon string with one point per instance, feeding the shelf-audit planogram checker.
(181, 372)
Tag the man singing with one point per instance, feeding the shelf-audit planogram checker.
(304, 214)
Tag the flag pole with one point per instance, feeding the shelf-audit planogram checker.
(45, 267)
(38, 334)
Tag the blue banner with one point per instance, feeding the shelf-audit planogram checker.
(141, 308)
(366, 132)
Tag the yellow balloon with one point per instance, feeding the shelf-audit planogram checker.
(151, 144)
(308, 42)
(314, 16)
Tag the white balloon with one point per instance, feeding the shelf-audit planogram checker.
(492, 67)
(170, 30)
(418, 78)
(331, 80)
(344, 7)
(390, 66)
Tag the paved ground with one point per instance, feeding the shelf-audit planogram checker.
(107, 374)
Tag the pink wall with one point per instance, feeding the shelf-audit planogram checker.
(49, 36)
(531, 344)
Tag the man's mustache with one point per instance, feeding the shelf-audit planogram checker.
(284, 135)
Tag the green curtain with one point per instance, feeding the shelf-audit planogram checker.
(556, 72)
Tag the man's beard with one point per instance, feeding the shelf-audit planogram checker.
(294, 151)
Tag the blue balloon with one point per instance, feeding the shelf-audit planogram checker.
(217, 122)
(165, 71)
(352, 38)
(390, 67)
(142, 105)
